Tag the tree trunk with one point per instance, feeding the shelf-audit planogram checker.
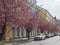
(0, 33)
(6, 35)
(28, 34)
(41, 31)
(3, 29)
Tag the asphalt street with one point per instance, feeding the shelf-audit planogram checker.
(49, 41)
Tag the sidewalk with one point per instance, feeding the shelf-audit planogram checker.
(16, 41)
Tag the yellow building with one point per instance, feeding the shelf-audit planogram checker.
(47, 16)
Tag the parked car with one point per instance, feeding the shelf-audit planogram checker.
(49, 35)
(55, 34)
(40, 36)
(58, 33)
(52, 34)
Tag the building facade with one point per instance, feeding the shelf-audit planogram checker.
(48, 17)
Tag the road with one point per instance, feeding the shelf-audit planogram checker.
(50, 41)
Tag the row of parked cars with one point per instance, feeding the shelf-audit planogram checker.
(42, 36)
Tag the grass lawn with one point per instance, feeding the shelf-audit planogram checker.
(2, 44)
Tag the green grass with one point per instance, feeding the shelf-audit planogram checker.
(1, 44)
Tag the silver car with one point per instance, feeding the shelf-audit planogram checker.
(58, 33)
(40, 36)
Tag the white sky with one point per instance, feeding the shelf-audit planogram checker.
(53, 6)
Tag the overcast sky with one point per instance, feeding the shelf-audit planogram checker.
(53, 6)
